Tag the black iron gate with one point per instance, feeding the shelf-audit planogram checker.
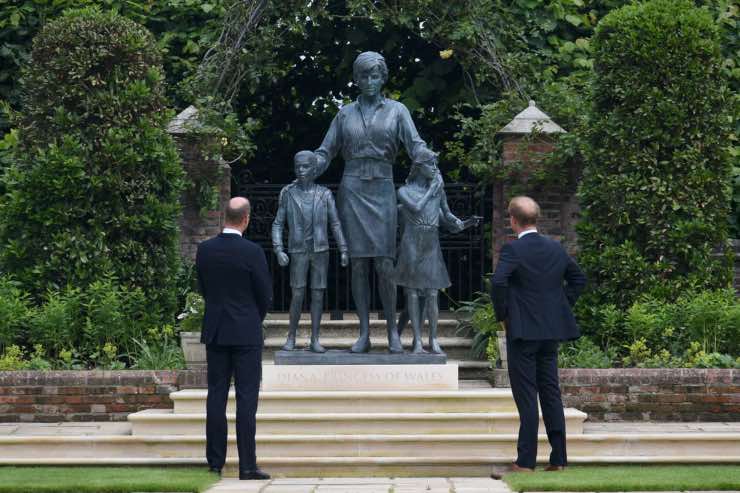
(465, 253)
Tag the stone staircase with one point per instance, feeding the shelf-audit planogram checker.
(463, 432)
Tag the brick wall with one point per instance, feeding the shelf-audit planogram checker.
(55, 396)
(606, 395)
(558, 202)
(635, 394)
(195, 227)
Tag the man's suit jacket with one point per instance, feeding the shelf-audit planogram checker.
(236, 284)
(528, 292)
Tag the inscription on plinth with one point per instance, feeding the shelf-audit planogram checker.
(360, 377)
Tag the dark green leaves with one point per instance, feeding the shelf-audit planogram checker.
(655, 191)
(94, 186)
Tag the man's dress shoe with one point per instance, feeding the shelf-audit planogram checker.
(215, 470)
(257, 474)
(554, 468)
(512, 468)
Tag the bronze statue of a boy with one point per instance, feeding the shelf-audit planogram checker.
(308, 209)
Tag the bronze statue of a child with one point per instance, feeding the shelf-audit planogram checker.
(420, 267)
(308, 209)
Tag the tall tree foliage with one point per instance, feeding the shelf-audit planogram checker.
(95, 182)
(655, 192)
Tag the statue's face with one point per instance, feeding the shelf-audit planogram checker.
(428, 170)
(370, 81)
(303, 170)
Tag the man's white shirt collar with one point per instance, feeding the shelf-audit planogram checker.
(526, 232)
(231, 231)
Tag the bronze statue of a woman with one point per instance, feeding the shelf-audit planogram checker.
(368, 133)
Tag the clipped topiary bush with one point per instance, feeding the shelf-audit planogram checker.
(656, 189)
(94, 188)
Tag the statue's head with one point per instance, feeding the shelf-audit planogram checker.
(305, 164)
(425, 164)
(370, 72)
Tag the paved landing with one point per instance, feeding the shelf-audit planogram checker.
(362, 485)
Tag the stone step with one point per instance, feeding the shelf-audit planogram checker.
(596, 448)
(192, 401)
(164, 421)
(351, 328)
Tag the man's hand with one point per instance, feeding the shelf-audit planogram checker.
(283, 259)
(344, 259)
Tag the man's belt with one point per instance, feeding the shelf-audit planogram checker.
(368, 169)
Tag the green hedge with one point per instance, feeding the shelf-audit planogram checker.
(93, 192)
(655, 193)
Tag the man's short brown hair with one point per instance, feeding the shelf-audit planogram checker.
(525, 210)
(234, 214)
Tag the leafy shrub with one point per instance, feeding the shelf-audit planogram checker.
(12, 359)
(55, 324)
(710, 318)
(191, 319)
(160, 351)
(583, 353)
(94, 172)
(655, 190)
(478, 317)
(76, 325)
(14, 311)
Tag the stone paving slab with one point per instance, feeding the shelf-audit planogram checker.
(362, 485)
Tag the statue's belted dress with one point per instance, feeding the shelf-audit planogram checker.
(369, 145)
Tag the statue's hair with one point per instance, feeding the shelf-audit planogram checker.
(423, 157)
(366, 61)
(301, 155)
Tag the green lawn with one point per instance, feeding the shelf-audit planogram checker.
(629, 478)
(104, 479)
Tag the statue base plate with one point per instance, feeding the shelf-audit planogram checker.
(341, 357)
(357, 378)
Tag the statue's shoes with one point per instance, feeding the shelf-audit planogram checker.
(360, 346)
(316, 348)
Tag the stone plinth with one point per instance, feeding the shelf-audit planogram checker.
(359, 377)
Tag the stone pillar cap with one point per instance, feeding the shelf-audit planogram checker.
(532, 120)
(185, 122)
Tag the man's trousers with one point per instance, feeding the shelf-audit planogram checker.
(245, 364)
(533, 370)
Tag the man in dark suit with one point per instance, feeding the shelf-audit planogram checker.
(533, 289)
(235, 282)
